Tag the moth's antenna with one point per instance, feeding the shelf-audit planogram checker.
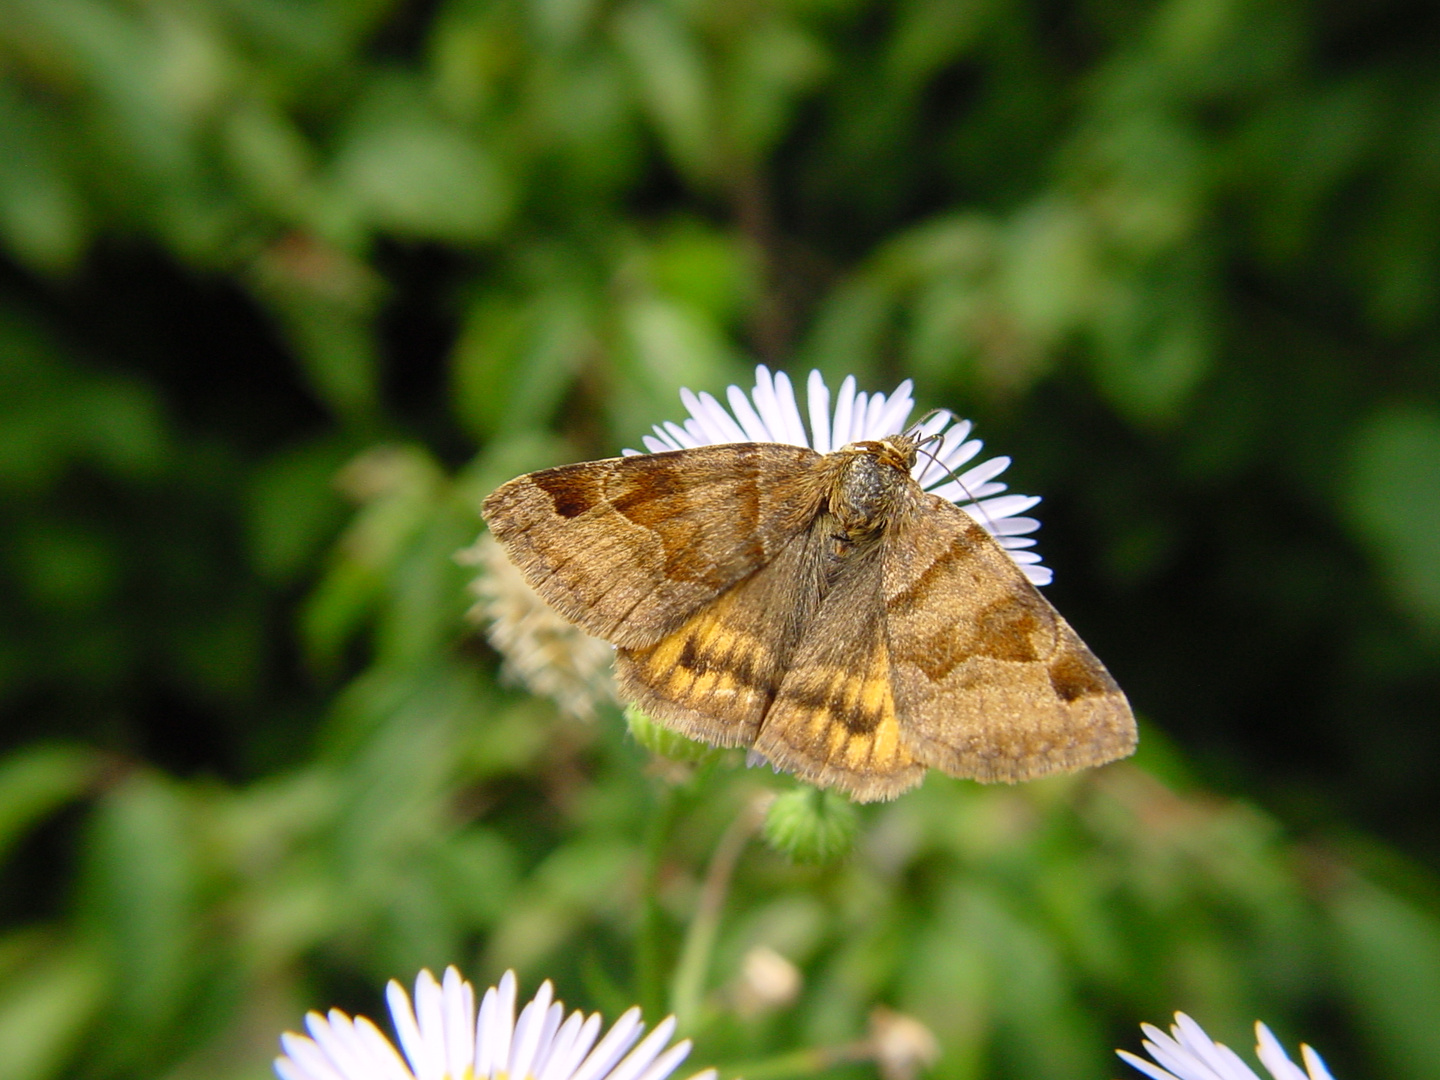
(950, 473)
(934, 436)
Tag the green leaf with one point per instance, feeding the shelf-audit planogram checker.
(1389, 965)
(1393, 497)
(46, 1008)
(37, 780)
(413, 173)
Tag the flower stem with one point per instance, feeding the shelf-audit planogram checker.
(688, 988)
(808, 1062)
(649, 984)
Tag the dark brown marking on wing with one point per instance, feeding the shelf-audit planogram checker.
(658, 496)
(747, 502)
(573, 491)
(918, 594)
(1076, 675)
(1018, 628)
(1007, 628)
(738, 663)
(838, 701)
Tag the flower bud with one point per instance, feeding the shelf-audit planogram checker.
(811, 826)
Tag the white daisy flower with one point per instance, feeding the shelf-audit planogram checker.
(443, 1038)
(771, 414)
(1187, 1053)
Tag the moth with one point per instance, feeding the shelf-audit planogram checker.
(822, 609)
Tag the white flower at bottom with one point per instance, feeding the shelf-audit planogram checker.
(1187, 1053)
(770, 414)
(444, 1038)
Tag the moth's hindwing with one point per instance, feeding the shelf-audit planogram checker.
(835, 721)
(716, 676)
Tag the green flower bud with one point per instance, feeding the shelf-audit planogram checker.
(663, 742)
(811, 826)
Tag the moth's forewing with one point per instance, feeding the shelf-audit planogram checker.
(834, 721)
(989, 680)
(628, 548)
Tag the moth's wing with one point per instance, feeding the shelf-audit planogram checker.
(834, 720)
(990, 682)
(715, 676)
(628, 548)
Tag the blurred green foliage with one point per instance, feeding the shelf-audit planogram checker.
(287, 285)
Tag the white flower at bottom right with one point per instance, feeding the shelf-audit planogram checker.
(1187, 1053)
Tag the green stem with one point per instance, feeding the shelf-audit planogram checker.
(649, 984)
(688, 987)
(808, 1062)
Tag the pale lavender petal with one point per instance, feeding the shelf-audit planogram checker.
(1315, 1064)
(528, 1030)
(873, 413)
(858, 412)
(891, 420)
(1005, 506)
(706, 1074)
(1013, 543)
(720, 421)
(430, 1014)
(974, 479)
(1013, 526)
(640, 1058)
(789, 411)
(768, 405)
(952, 452)
(459, 1002)
(1175, 1058)
(304, 1060)
(287, 1069)
(844, 413)
(713, 419)
(553, 1016)
(502, 1024)
(817, 398)
(402, 1016)
(484, 1040)
(959, 492)
(654, 444)
(1168, 1053)
(1272, 1055)
(561, 1066)
(755, 430)
(667, 1062)
(1234, 1067)
(936, 422)
(682, 437)
(379, 1050)
(958, 450)
(1221, 1059)
(1149, 1068)
(333, 1035)
(558, 1050)
(701, 423)
(617, 1040)
(1038, 575)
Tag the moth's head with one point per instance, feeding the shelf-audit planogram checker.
(871, 481)
(896, 451)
